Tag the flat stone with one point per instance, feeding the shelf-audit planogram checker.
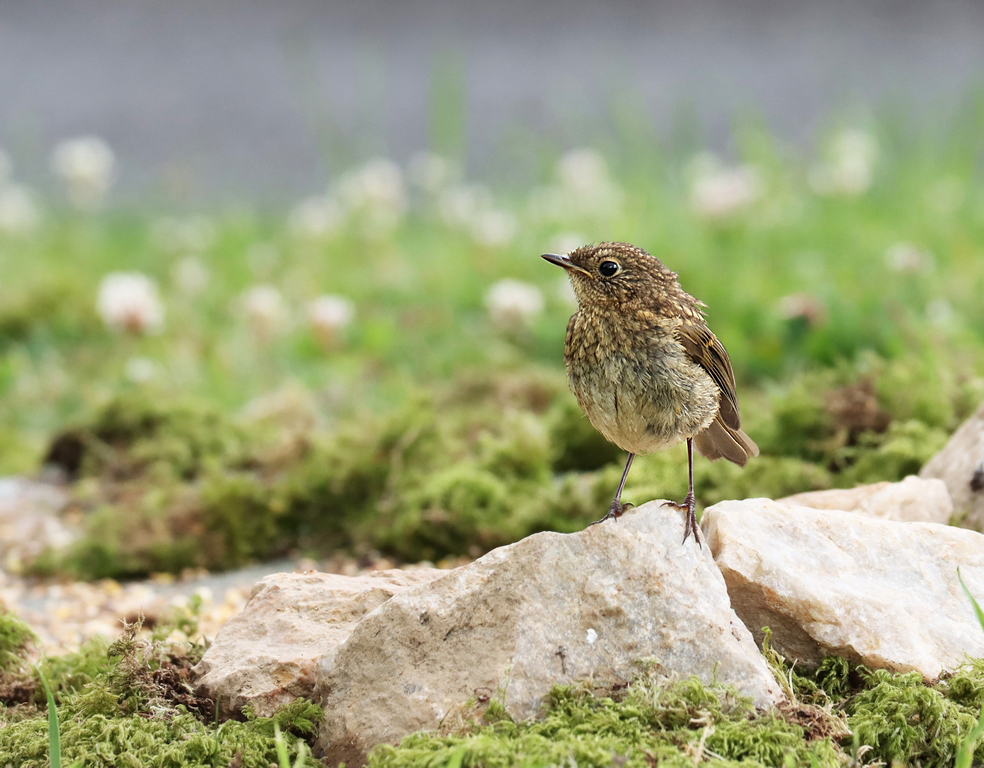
(550, 609)
(960, 464)
(911, 500)
(879, 592)
(266, 655)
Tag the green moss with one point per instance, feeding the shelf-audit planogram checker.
(800, 426)
(893, 455)
(898, 717)
(178, 741)
(16, 639)
(462, 509)
(906, 721)
(575, 444)
(518, 448)
(241, 519)
(764, 477)
(664, 476)
(142, 433)
(130, 703)
(918, 388)
(174, 484)
(150, 533)
(51, 306)
(965, 686)
(72, 672)
(568, 503)
(649, 723)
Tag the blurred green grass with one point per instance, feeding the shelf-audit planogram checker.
(811, 290)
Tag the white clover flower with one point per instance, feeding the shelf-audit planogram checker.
(908, 258)
(513, 304)
(376, 191)
(849, 168)
(19, 214)
(494, 228)
(328, 316)
(140, 370)
(86, 165)
(316, 218)
(430, 172)
(265, 309)
(191, 276)
(719, 192)
(128, 301)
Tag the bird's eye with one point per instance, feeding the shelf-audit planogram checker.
(608, 268)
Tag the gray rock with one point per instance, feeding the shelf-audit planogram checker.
(266, 655)
(912, 500)
(552, 608)
(879, 592)
(30, 521)
(960, 464)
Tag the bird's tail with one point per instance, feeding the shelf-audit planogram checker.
(719, 441)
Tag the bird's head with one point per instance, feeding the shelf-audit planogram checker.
(614, 274)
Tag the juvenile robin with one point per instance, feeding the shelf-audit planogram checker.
(644, 366)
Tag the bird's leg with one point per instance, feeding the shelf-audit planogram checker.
(618, 507)
(689, 504)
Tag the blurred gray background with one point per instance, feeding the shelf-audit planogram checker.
(239, 100)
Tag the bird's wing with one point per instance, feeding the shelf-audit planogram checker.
(703, 348)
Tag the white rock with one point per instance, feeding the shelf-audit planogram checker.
(553, 608)
(266, 655)
(960, 464)
(879, 592)
(913, 500)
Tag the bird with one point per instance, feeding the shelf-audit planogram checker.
(644, 366)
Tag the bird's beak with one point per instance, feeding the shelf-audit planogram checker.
(563, 261)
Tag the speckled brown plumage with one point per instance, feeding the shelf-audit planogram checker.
(643, 364)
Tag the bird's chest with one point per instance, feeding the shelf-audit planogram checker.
(638, 388)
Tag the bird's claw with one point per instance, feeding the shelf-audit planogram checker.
(688, 505)
(615, 511)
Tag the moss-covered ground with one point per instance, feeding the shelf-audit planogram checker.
(837, 715)
(130, 703)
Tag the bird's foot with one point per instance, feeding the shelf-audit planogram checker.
(688, 505)
(615, 511)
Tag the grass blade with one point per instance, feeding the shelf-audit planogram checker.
(54, 734)
(282, 757)
(965, 755)
(977, 607)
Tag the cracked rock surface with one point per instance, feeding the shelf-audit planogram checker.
(266, 655)
(879, 592)
(552, 608)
